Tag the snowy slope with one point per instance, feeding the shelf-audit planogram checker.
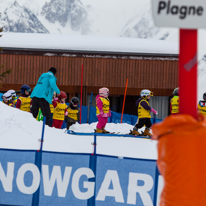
(19, 130)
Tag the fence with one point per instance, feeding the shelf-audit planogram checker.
(94, 178)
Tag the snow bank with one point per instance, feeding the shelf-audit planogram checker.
(19, 130)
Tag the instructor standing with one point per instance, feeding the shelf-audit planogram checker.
(43, 93)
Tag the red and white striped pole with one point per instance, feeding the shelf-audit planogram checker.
(188, 72)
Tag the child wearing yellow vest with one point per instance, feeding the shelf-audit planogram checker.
(174, 103)
(102, 110)
(202, 105)
(143, 110)
(73, 112)
(60, 110)
(24, 101)
(7, 98)
(14, 97)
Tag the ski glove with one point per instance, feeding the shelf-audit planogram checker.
(154, 111)
(66, 113)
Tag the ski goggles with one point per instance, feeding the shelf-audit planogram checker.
(147, 94)
(28, 90)
(107, 93)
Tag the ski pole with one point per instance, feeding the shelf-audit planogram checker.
(42, 135)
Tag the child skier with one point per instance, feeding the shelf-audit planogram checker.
(14, 97)
(143, 110)
(60, 110)
(24, 101)
(7, 99)
(102, 110)
(174, 102)
(202, 105)
(73, 112)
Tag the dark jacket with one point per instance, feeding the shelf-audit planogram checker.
(143, 104)
(68, 119)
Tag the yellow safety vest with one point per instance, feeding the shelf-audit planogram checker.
(105, 106)
(51, 108)
(202, 110)
(175, 105)
(142, 112)
(25, 103)
(72, 113)
(15, 101)
(9, 104)
(59, 111)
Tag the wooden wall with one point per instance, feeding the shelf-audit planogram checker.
(157, 74)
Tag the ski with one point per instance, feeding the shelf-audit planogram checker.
(107, 134)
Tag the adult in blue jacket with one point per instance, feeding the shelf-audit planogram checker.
(43, 93)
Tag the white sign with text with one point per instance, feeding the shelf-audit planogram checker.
(188, 14)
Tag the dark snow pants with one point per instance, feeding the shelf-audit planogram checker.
(44, 106)
(143, 121)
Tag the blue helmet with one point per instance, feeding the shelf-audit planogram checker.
(24, 88)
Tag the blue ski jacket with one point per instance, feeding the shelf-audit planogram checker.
(45, 87)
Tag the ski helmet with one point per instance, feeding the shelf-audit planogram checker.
(75, 101)
(104, 91)
(145, 93)
(176, 92)
(7, 96)
(24, 88)
(62, 95)
(12, 92)
(204, 96)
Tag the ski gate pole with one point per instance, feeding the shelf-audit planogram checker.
(124, 99)
(90, 105)
(42, 135)
(81, 95)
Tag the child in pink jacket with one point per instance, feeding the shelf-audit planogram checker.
(102, 110)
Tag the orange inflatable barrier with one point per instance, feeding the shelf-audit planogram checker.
(182, 160)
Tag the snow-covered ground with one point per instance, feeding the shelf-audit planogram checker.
(19, 130)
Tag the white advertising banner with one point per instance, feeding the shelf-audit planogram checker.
(188, 14)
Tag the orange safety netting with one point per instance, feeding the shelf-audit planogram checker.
(182, 160)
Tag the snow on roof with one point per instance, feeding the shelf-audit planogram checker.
(87, 43)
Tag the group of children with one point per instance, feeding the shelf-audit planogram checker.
(143, 109)
(59, 110)
(174, 103)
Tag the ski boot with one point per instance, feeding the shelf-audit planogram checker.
(147, 133)
(135, 131)
(98, 130)
(105, 131)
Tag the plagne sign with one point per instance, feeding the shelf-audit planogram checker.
(190, 14)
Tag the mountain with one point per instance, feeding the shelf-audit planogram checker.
(68, 13)
(16, 18)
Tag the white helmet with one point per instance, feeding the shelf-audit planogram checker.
(146, 92)
(12, 92)
(7, 96)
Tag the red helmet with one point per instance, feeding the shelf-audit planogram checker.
(62, 95)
